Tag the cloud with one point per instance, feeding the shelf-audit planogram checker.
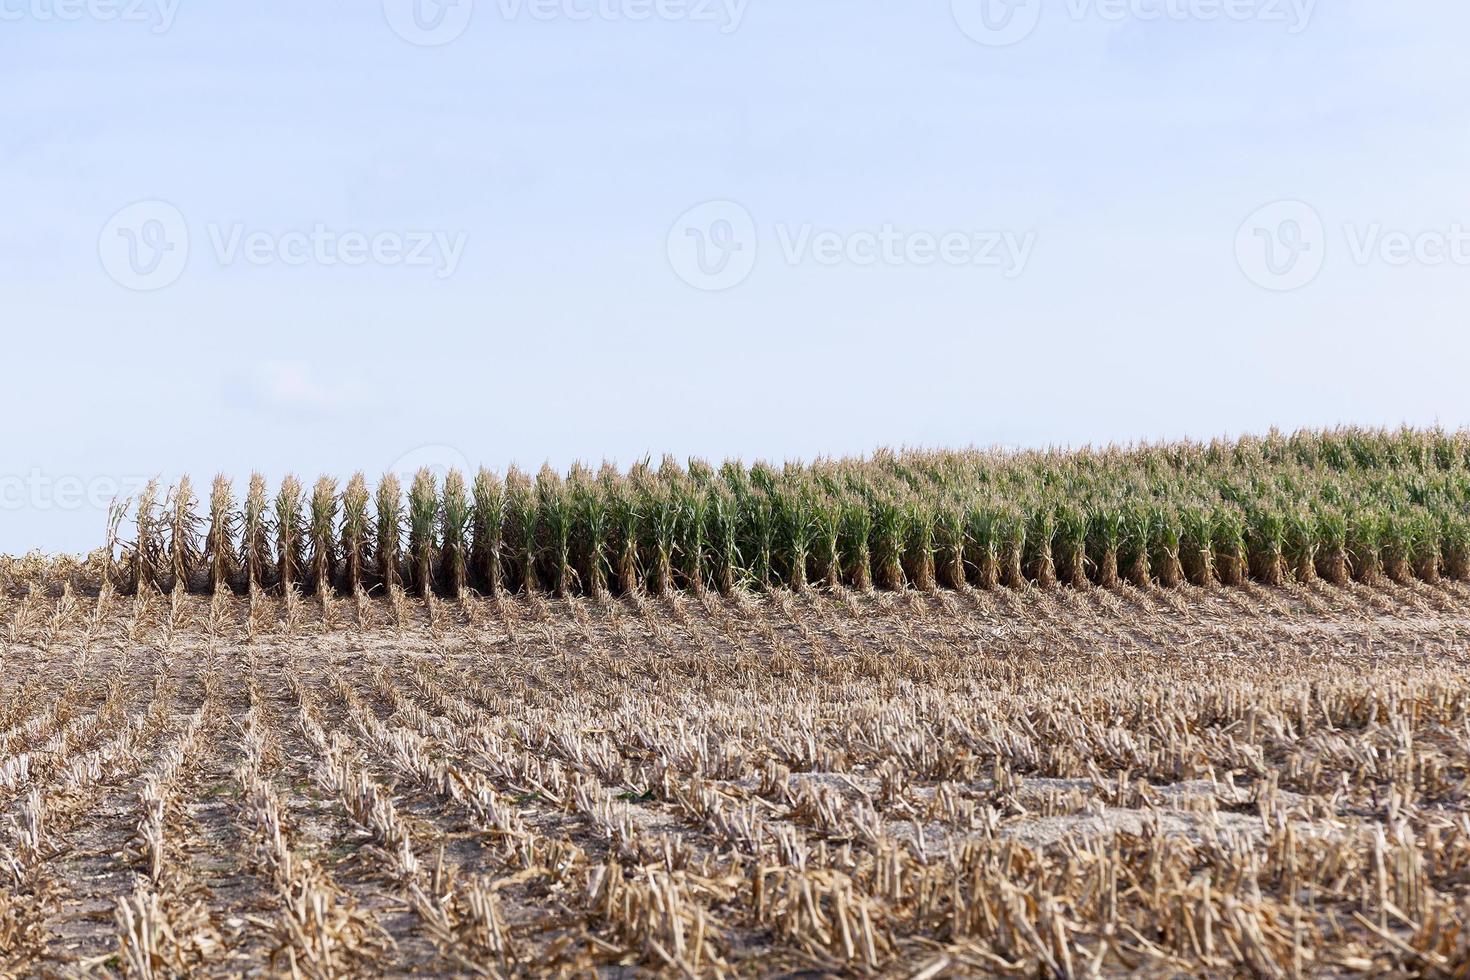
(295, 389)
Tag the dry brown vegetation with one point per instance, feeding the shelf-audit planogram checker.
(1234, 781)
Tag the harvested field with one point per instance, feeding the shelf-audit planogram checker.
(1250, 780)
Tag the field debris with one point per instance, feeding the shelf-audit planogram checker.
(1264, 780)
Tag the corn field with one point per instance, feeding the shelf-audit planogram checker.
(1174, 710)
(1344, 505)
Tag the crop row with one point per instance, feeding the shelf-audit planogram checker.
(1341, 505)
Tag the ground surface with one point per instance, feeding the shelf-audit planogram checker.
(1235, 782)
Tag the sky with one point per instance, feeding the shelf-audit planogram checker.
(328, 237)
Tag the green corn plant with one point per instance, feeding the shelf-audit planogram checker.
(389, 526)
(1331, 533)
(1397, 547)
(290, 527)
(1426, 556)
(1166, 536)
(1105, 540)
(919, 546)
(949, 547)
(1332, 452)
(1443, 450)
(1041, 530)
(887, 543)
(856, 533)
(659, 534)
(1196, 546)
(357, 533)
(454, 529)
(593, 534)
(520, 530)
(487, 533)
(670, 473)
(1365, 529)
(1137, 539)
(1301, 544)
(1455, 533)
(322, 531)
(701, 474)
(423, 515)
(1367, 449)
(1012, 531)
(219, 544)
(763, 479)
(795, 531)
(1232, 561)
(554, 516)
(1413, 451)
(1071, 545)
(735, 478)
(624, 523)
(693, 524)
(724, 531)
(255, 527)
(758, 539)
(983, 544)
(827, 541)
(1265, 538)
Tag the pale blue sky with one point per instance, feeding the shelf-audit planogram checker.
(560, 152)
